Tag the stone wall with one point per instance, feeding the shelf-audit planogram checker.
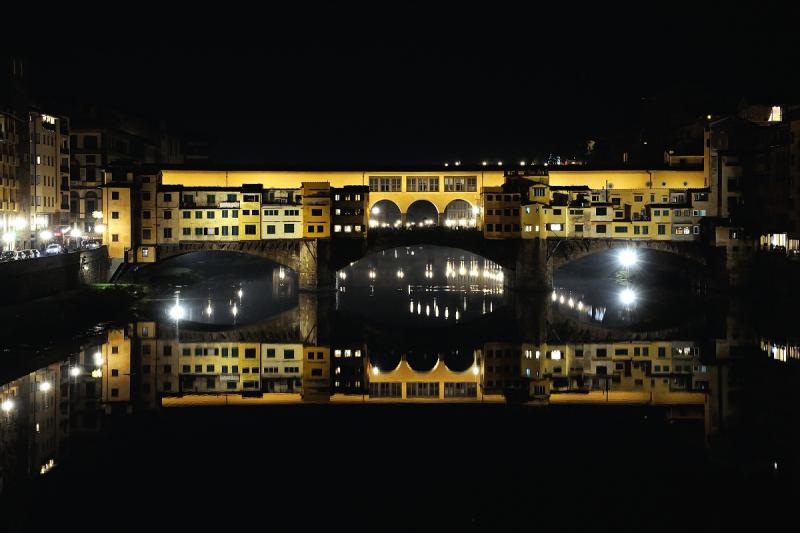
(45, 276)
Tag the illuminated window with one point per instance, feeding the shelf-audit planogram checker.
(776, 114)
(337, 228)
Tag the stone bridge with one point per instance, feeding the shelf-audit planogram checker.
(300, 255)
(531, 262)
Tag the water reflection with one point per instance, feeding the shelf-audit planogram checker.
(435, 285)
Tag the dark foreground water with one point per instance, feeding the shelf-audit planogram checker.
(422, 393)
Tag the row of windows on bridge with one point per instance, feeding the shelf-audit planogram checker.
(423, 184)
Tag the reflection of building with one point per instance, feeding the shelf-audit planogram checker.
(650, 372)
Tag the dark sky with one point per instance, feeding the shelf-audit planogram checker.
(410, 85)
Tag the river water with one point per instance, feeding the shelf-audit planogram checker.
(422, 383)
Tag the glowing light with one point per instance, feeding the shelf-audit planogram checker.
(627, 296)
(554, 296)
(46, 235)
(499, 163)
(561, 299)
(627, 257)
(239, 293)
(235, 310)
(400, 274)
(20, 223)
(475, 370)
(99, 228)
(7, 405)
(97, 373)
(98, 358)
(75, 371)
(45, 386)
(342, 275)
(209, 310)
(484, 163)
(580, 306)
(476, 210)
(376, 370)
(555, 355)
(281, 274)
(75, 232)
(571, 302)
(376, 210)
(176, 312)
(522, 163)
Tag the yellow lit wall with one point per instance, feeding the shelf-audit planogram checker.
(118, 218)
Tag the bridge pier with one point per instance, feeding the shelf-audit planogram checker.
(315, 271)
(533, 272)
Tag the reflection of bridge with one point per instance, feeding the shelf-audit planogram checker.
(532, 261)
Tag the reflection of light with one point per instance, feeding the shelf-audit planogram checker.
(554, 296)
(342, 275)
(427, 310)
(176, 312)
(571, 302)
(7, 405)
(239, 293)
(561, 299)
(235, 310)
(281, 274)
(400, 274)
(45, 386)
(411, 306)
(627, 296)
(580, 306)
(209, 310)
(627, 257)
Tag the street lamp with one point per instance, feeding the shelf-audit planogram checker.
(7, 405)
(627, 296)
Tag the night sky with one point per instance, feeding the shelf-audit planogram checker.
(410, 86)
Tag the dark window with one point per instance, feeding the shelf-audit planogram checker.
(250, 229)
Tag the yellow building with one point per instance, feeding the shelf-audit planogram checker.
(119, 215)
(316, 210)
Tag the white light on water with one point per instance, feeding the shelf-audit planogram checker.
(176, 312)
(627, 296)
(628, 257)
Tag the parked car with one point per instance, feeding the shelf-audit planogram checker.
(8, 256)
(90, 245)
(54, 249)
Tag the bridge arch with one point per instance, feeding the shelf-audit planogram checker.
(698, 257)
(422, 213)
(299, 255)
(460, 213)
(385, 213)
